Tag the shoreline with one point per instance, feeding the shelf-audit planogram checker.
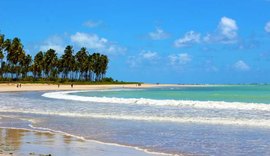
(12, 87)
(40, 129)
(12, 145)
(110, 149)
(233, 119)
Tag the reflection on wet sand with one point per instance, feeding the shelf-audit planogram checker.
(25, 142)
(10, 140)
(18, 141)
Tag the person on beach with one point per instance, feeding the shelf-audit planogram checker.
(71, 85)
(17, 85)
(20, 85)
(58, 85)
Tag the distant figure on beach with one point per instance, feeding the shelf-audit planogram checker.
(71, 85)
(17, 85)
(20, 85)
(58, 85)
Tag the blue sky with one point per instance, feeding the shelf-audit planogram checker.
(172, 41)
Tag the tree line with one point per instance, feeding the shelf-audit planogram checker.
(16, 64)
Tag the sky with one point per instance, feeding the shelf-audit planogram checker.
(156, 41)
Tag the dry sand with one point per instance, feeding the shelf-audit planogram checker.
(12, 87)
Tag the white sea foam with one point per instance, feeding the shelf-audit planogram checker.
(41, 129)
(194, 120)
(176, 103)
(50, 131)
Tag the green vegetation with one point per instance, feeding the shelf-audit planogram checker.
(47, 67)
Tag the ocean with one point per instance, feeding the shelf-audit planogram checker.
(199, 120)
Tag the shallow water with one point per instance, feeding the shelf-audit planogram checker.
(161, 120)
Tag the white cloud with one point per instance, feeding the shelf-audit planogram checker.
(189, 38)
(226, 32)
(228, 27)
(93, 41)
(148, 57)
(92, 24)
(267, 27)
(241, 66)
(159, 34)
(54, 42)
(179, 59)
(89, 40)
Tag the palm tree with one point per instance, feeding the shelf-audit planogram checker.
(103, 65)
(74, 67)
(2, 40)
(25, 65)
(15, 53)
(96, 65)
(50, 62)
(68, 59)
(82, 61)
(60, 67)
(89, 67)
(38, 65)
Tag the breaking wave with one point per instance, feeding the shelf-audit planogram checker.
(176, 103)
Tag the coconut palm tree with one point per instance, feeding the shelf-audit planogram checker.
(96, 65)
(47, 65)
(25, 65)
(38, 65)
(50, 62)
(67, 60)
(90, 67)
(15, 53)
(103, 65)
(2, 41)
(82, 61)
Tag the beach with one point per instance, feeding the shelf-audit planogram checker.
(136, 120)
(23, 141)
(135, 78)
(12, 87)
(19, 142)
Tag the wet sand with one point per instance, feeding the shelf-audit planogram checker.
(25, 142)
(20, 142)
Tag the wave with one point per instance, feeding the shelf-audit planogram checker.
(176, 103)
(263, 123)
(51, 131)
(48, 130)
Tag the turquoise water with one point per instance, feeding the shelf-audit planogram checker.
(210, 120)
(236, 93)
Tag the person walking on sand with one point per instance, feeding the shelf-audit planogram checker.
(71, 85)
(58, 85)
(17, 85)
(20, 85)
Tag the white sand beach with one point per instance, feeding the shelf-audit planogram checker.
(12, 87)
(26, 142)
